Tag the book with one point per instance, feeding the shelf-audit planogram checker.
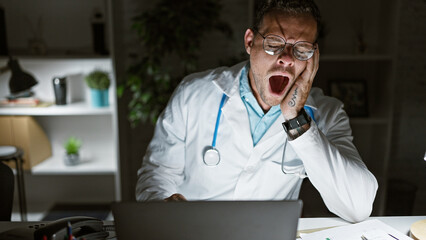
(20, 102)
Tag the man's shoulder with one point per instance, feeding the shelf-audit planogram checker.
(329, 110)
(320, 100)
(210, 75)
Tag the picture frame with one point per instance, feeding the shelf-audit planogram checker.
(353, 94)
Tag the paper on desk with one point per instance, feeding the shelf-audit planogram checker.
(371, 229)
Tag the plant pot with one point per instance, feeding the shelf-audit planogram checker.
(71, 159)
(99, 97)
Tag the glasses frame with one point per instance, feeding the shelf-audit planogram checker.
(285, 44)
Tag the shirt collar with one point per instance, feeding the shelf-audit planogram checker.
(245, 90)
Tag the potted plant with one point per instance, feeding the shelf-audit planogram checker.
(98, 81)
(72, 147)
(172, 30)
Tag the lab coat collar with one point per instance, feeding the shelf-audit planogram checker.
(310, 102)
(228, 81)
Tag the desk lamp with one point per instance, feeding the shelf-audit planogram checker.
(20, 82)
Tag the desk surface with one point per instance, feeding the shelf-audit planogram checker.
(400, 223)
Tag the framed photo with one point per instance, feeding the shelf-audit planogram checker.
(353, 94)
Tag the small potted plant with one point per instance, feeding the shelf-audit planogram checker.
(72, 147)
(98, 82)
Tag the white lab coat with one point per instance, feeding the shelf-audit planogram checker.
(174, 159)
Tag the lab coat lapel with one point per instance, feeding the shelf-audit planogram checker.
(234, 110)
(235, 114)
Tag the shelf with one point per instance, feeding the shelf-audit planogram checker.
(101, 164)
(78, 108)
(353, 57)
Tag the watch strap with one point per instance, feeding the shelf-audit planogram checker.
(297, 122)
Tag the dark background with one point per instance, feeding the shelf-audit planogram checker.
(393, 27)
(391, 139)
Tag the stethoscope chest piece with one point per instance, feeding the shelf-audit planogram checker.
(211, 157)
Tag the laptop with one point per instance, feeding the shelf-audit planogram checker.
(207, 220)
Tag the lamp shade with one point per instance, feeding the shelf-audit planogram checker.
(19, 81)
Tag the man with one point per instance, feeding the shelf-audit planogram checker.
(242, 152)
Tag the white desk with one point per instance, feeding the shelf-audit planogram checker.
(400, 223)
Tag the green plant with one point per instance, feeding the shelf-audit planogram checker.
(98, 80)
(72, 145)
(172, 30)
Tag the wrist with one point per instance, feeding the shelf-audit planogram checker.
(298, 125)
(297, 132)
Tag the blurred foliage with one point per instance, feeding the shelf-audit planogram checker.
(172, 29)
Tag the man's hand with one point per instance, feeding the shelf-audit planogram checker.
(298, 94)
(175, 198)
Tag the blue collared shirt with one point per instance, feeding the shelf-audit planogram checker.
(259, 121)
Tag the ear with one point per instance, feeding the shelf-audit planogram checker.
(248, 40)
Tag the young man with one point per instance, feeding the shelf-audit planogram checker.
(221, 136)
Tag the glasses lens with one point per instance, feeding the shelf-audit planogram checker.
(303, 50)
(273, 44)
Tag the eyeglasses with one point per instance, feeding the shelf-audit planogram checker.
(274, 44)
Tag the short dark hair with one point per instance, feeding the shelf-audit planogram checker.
(291, 7)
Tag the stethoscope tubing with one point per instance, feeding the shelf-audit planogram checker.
(219, 113)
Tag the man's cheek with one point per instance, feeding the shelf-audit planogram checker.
(300, 70)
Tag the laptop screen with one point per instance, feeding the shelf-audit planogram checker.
(205, 220)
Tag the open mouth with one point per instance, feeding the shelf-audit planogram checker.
(278, 83)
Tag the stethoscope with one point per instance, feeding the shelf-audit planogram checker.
(212, 157)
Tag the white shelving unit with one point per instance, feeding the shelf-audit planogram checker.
(100, 164)
(97, 162)
(96, 127)
(76, 108)
(68, 36)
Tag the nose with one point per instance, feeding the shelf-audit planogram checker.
(286, 57)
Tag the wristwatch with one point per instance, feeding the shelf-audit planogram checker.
(296, 124)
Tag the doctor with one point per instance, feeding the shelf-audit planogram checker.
(255, 130)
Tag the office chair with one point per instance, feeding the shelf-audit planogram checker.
(7, 184)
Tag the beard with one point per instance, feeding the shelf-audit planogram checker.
(272, 87)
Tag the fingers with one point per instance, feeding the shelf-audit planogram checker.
(312, 66)
(299, 92)
(175, 198)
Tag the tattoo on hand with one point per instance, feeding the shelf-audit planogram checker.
(292, 102)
